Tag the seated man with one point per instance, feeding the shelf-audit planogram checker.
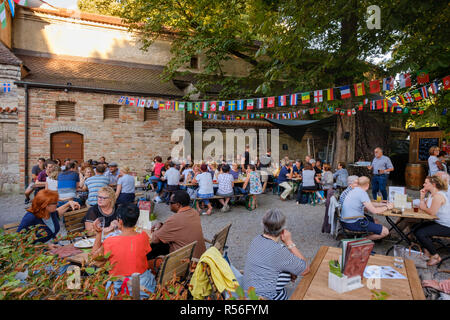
(179, 230)
(341, 176)
(353, 211)
(352, 182)
(172, 179)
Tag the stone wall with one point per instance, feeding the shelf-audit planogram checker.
(9, 149)
(129, 141)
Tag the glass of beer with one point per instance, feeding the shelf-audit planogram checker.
(379, 197)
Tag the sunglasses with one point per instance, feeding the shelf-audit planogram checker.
(102, 198)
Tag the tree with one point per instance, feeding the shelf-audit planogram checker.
(298, 45)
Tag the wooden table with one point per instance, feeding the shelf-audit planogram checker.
(314, 286)
(410, 214)
(83, 258)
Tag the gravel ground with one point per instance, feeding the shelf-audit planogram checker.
(303, 221)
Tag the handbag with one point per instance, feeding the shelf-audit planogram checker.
(419, 258)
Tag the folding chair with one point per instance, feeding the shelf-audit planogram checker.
(11, 227)
(177, 262)
(220, 238)
(349, 233)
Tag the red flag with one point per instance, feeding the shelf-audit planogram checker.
(270, 102)
(374, 86)
(213, 105)
(422, 77)
(446, 82)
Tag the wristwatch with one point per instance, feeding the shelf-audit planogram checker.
(291, 246)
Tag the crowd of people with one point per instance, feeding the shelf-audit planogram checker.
(273, 259)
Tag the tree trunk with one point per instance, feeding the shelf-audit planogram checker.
(370, 133)
(345, 148)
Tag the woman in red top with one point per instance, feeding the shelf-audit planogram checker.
(159, 165)
(128, 251)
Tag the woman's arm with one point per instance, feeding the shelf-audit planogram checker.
(97, 249)
(287, 239)
(118, 190)
(379, 209)
(71, 204)
(436, 203)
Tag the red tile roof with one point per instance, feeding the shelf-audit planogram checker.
(111, 75)
(7, 57)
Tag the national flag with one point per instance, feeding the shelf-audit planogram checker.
(181, 106)
(155, 104)
(121, 100)
(345, 92)
(416, 95)
(398, 110)
(295, 115)
(408, 97)
(221, 105)
(388, 84)
(293, 99)
(175, 103)
(270, 102)
(353, 111)
(434, 87)
(213, 105)
(161, 105)
(424, 92)
(374, 86)
(260, 103)
(189, 106)
(366, 101)
(316, 110)
(318, 96)
(281, 101)
(414, 111)
(21, 2)
(231, 105)
(205, 106)
(250, 104)
(252, 116)
(420, 111)
(401, 99)
(240, 105)
(385, 105)
(422, 77)
(142, 103)
(3, 15)
(336, 111)
(405, 110)
(11, 7)
(393, 101)
(149, 103)
(405, 80)
(311, 111)
(360, 106)
(379, 104)
(330, 94)
(305, 97)
(342, 112)
(197, 106)
(131, 101)
(169, 105)
(359, 89)
(446, 82)
(136, 102)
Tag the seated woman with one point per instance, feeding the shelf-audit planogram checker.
(270, 265)
(437, 205)
(254, 182)
(205, 188)
(156, 177)
(327, 178)
(43, 212)
(226, 185)
(128, 251)
(125, 192)
(352, 216)
(309, 181)
(105, 207)
(341, 176)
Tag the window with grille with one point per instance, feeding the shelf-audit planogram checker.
(65, 109)
(111, 111)
(151, 114)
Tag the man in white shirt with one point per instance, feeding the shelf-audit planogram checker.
(172, 180)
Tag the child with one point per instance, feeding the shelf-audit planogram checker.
(254, 181)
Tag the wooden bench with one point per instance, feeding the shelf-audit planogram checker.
(313, 194)
(216, 197)
(11, 227)
(73, 220)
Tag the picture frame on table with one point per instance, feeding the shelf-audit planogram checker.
(393, 190)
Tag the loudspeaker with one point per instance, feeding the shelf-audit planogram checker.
(346, 135)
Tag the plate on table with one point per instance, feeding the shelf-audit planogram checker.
(85, 243)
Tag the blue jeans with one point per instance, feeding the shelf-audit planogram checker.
(159, 183)
(379, 184)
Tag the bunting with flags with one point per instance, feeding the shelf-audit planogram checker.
(305, 98)
(345, 92)
(250, 104)
(318, 96)
(260, 103)
(293, 99)
(282, 101)
(405, 80)
(359, 89)
(330, 94)
(374, 86)
(270, 102)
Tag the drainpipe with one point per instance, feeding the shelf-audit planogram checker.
(26, 136)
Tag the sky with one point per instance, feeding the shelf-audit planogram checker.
(69, 4)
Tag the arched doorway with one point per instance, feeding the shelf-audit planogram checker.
(67, 144)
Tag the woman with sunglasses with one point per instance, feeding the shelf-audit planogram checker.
(105, 207)
(44, 212)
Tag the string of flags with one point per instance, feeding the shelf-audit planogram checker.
(396, 104)
(11, 5)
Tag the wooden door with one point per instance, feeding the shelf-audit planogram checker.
(67, 144)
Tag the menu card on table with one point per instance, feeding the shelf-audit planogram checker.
(355, 254)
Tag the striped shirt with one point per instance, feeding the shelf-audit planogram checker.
(93, 184)
(344, 194)
(266, 262)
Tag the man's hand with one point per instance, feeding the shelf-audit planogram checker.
(156, 227)
(286, 237)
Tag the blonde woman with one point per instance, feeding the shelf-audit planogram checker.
(125, 192)
(51, 183)
(106, 208)
(434, 165)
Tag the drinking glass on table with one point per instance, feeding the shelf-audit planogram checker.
(101, 224)
(399, 255)
(379, 197)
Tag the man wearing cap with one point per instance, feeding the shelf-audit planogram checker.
(112, 173)
(381, 166)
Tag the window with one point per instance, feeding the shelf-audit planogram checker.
(194, 62)
(65, 109)
(151, 114)
(111, 111)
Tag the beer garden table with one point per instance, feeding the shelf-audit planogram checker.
(314, 285)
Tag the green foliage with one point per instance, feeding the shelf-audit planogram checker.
(379, 295)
